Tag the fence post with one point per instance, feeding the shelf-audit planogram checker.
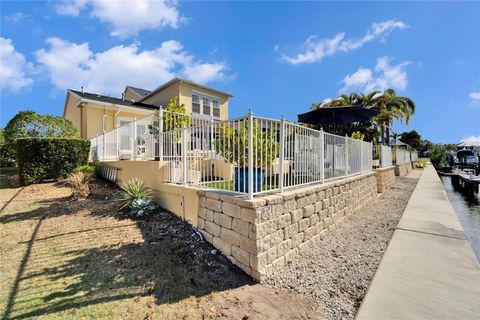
(346, 155)
(211, 133)
(361, 156)
(322, 155)
(250, 154)
(160, 134)
(134, 138)
(282, 153)
(103, 143)
(117, 142)
(184, 154)
(96, 143)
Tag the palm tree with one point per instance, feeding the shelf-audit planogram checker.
(392, 107)
(343, 100)
(395, 137)
(368, 100)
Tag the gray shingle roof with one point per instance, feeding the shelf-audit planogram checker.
(140, 91)
(107, 99)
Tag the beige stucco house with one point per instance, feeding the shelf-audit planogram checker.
(94, 114)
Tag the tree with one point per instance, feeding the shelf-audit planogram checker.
(395, 136)
(391, 107)
(344, 100)
(437, 155)
(174, 119)
(29, 124)
(6, 158)
(425, 145)
(412, 138)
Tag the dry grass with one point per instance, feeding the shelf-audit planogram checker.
(64, 259)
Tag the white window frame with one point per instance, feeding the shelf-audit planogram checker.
(199, 103)
(201, 95)
(207, 107)
(216, 108)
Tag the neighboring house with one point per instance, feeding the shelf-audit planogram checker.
(94, 114)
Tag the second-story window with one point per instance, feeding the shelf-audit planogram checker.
(206, 105)
(195, 103)
(216, 108)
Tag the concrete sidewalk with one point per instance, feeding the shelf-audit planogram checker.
(429, 270)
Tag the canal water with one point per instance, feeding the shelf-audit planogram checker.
(468, 212)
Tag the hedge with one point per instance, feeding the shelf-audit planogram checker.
(49, 158)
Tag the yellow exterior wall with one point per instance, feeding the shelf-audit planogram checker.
(94, 119)
(181, 200)
(161, 98)
(72, 112)
(186, 98)
(184, 92)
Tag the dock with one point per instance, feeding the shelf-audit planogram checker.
(468, 183)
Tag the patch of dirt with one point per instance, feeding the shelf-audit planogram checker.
(86, 260)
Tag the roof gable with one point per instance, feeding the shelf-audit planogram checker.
(176, 80)
(139, 91)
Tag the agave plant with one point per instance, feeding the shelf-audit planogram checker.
(141, 207)
(133, 190)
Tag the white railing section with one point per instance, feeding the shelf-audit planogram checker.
(401, 156)
(140, 139)
(249, 155)
(253, 155)
(131, 141)
(414, 156)
(382, 156)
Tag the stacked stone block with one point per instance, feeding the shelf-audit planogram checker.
(262, 235)
(403, 169)
(385, 178)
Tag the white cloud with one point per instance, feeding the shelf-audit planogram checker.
(126, 18)
(314, 50)
(72, 65)
(383, 76)
(70, 7)
(14, 69)
(474, 95)
(474, 139)
(16, 17)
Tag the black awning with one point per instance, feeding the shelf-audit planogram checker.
(337, 115)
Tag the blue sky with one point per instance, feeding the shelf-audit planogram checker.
(275, 57)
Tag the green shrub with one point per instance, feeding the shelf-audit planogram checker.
(49, 158)
(136, 196)
(29, 124)
(141, 207)
(437, 156)
(84, 169)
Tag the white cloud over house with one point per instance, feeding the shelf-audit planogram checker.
(475, 96)
(14, 68)
(71, 65)
(126, 18)
(384, 75)
(314, 49)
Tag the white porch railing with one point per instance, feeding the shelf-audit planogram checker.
(249, 155)
(254, 155)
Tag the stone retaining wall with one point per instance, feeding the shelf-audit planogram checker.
(263, 234)
(385, 178)
(403, 169)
